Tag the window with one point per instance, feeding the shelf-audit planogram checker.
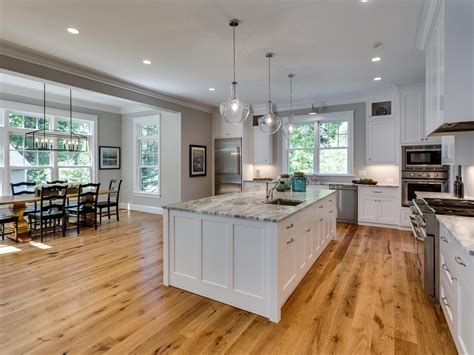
(41, 166)
(323, 147)
(147, 134)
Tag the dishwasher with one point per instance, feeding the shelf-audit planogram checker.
(347, 204)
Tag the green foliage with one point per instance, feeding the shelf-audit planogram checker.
(149, 179)
(75, 174)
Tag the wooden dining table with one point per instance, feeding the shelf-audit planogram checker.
(17, 206)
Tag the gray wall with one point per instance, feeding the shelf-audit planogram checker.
(196, 125)
(378, 172)
(109, 128)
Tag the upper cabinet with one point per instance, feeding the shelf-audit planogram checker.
(381, 131)
(262, 147)
(412, 116)
(449, 52)
(222, 129)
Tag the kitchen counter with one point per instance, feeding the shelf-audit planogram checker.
(352, 184)
(441, 195)
(251, 204)
(462, 228)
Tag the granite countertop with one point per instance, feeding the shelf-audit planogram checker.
(462, 228)
(441, 195)
(251, 204)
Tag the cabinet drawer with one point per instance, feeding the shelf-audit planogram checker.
(375, 191)
(447, 299)
(287, 229)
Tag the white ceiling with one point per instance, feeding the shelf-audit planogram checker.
(326, 43)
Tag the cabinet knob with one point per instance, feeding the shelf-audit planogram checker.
(290, 241)
(321, 206)
(445, 301)
(321, 219)
(290, 226)
(308, 230)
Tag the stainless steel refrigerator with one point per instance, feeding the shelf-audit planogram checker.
(228, 165)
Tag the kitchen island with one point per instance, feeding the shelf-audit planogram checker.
(241, 250)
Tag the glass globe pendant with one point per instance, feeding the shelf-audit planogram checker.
(269, 123)
(234, 110)
(290, 124)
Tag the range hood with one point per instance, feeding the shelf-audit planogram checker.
(454, 127)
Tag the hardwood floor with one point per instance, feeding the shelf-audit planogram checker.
(101, 292)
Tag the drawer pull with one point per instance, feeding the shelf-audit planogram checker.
(445, 301)
(321, 219)
(377, 192)
(308, 230)
(453, 278)
(290, 226)
(321, 206)
(290, 241)
(445, 267)
(459, 261)
(444, 239)
(331, 211)
(330, 200)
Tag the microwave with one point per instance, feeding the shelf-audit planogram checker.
(422, 157)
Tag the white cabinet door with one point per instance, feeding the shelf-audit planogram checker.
(381, 141)
(368, 209)
(387, 211)
(465, 317)
(288, 251)
(262, 147)
(222, 129)
(412, 116)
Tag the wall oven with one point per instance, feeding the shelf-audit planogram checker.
(422, 157)
(419, 181)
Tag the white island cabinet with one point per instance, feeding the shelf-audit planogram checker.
(244, 252)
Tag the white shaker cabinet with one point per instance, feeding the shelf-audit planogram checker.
(412, 118)
(457, 290)
(378, 205)
(381, 141)
(458, 149)
(223, 129)
(262, 147)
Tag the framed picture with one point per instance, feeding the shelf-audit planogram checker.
(197, 160)
(109, 157)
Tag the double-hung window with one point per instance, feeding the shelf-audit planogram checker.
(322, 146)
(147, 154)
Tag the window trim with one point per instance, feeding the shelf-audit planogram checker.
(323, 117)
(34, 110)
(136, 155)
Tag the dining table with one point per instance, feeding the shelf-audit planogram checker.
(17, 206)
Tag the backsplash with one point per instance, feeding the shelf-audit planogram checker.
(468, 177)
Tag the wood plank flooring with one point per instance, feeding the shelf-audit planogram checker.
(101, 292)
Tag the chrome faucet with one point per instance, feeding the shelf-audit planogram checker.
(269, 192)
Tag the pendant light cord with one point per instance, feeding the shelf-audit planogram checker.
(233, 27)
(269, 57)
(44, 110)
(291, 94)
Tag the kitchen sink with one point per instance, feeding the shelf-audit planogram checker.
(285, 202)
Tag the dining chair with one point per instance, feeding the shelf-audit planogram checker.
(112, 199)
(87, 197)
(52, 210)
(25, 188)
(5, 219)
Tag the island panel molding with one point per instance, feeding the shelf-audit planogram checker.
(253, 264)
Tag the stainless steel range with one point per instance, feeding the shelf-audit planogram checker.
(422, 170)
(425, 228)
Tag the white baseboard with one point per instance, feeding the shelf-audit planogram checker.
(381, 225)
(141, 208)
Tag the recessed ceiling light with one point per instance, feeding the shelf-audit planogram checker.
(73, 30)
(377, 78)
(146, 61)
(212, 89)
(364, 1)
(376, 59)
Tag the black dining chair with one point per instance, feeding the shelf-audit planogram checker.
(25, 188)
(52, 211)
(87, 197)
(6, 219)
(112, 199)
(56, 182)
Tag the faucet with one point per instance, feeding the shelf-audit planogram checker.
(269, 192)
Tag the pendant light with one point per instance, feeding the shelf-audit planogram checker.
(269, 123)
(56, 140)
(290, 124)
(234, 110)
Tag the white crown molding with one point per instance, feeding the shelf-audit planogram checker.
(19, 52)
(429, 11)
(260, 109)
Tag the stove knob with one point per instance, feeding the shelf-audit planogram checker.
(435, 175)
(411, 174)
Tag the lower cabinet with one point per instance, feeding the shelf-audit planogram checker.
(378, 205)
(457, 291)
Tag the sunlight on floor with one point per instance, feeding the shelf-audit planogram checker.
(5, 249)
(40, 245)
